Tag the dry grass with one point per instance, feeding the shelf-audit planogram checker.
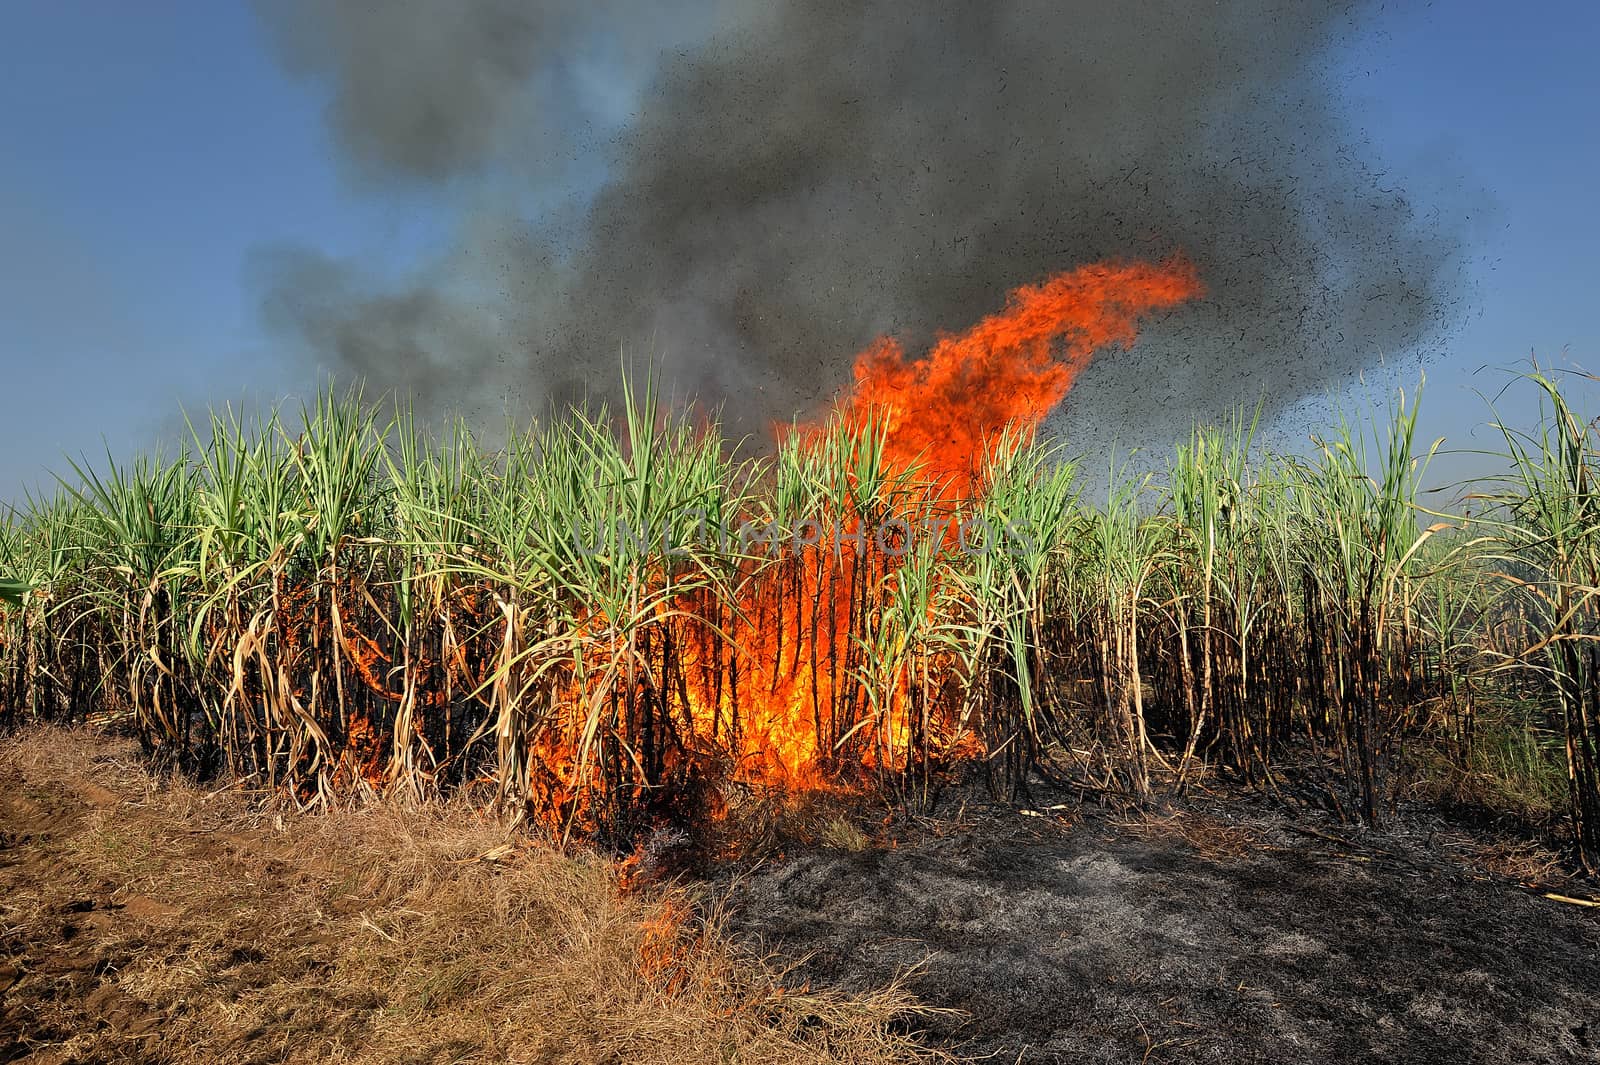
(843, 834)
(770, 822)
(1210, 837)
(1526, 862)
(211, 927)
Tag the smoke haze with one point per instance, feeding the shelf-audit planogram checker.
(749, 194)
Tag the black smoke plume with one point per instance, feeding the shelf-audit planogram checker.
(748, 194)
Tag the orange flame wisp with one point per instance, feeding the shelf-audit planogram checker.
(1012, 368)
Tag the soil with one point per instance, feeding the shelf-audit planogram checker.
(56, 947)
(127, 925)
(1225, 935)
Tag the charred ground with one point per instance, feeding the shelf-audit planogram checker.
(1223, 931)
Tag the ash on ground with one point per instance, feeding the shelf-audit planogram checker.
(1072, 935)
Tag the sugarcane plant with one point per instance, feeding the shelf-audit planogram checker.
(617, 617)
(1547, 529)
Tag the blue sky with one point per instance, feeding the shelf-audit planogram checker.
(1499, 99)
(148, 156)
(150, 150)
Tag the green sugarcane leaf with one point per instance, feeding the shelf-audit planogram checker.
(13, 591)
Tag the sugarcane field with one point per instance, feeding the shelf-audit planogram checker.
(675, 533)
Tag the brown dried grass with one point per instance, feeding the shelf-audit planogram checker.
(1208, 836)
(229, 930)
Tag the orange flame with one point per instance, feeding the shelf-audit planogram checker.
(940, 411)
(1013, 367)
